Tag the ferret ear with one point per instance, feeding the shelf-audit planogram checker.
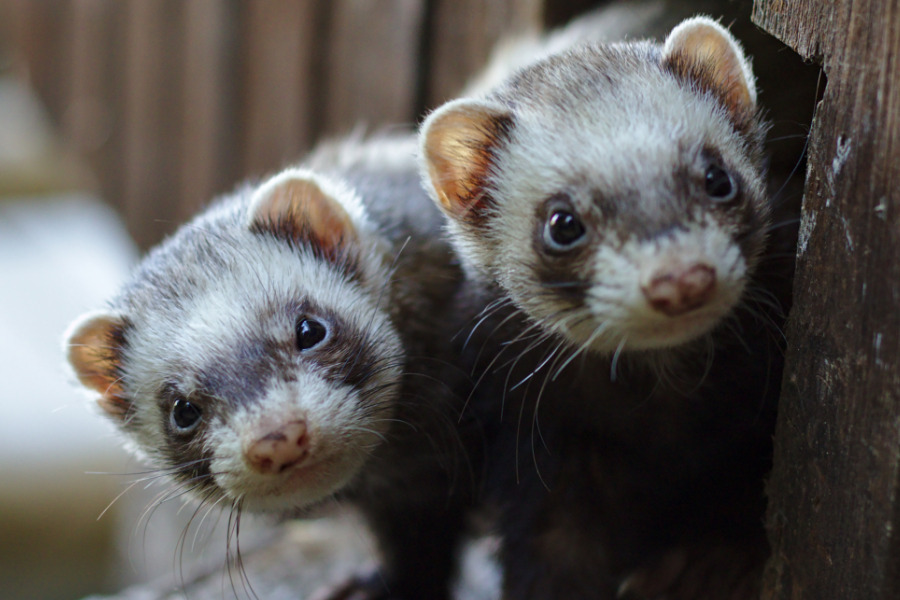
(704, 53)
(301, 207)
(459, 141)
(93, 347)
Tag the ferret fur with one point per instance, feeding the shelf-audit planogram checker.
(629, 446)
(211, 317)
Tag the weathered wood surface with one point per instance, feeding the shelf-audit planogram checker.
(834, 514)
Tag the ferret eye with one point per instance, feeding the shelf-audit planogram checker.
(719, 184)
(563, 230)
(185, 415)
(309, 333)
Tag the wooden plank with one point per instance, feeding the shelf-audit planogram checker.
(373, 63)
(82, 118)
(207, 133)
(92, 94)
(151, 118)
(13, 21)
(834, 501)
(461, 37)
(38, 31)
(280, 40)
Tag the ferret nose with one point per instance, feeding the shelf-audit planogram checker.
(676, 290)
(279, 449)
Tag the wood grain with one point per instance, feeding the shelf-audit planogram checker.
(173, 102)
(834, 502)
(278, 46)
(462, 34)
(374, 62)
(38, 34)
(94, 90)
(207, 138)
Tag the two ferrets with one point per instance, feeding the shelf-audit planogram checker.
(291, 345)
(610, 201)
(288, 347)
(276, 328)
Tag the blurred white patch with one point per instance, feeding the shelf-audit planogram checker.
(59, 257)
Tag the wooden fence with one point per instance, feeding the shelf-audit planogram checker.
(173, 101)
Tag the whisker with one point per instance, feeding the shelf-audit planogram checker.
(615, 359)
(487, 312)
(548, 356)
(597, 332)
(114, 500)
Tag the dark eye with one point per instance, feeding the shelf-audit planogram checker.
(719, 184)
(563, 229)
(185, 415)
(309, 333)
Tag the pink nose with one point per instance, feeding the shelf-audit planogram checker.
(674, 291)
(279, 449)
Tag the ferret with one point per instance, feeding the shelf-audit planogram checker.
(287, 347)
(609, 204)
(293, 344)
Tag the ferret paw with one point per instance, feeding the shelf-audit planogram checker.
(715, 572)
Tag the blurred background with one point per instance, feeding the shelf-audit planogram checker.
(118, 120)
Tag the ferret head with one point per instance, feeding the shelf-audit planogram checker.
(249, 356)
(614, 192)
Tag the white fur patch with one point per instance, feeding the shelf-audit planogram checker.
(620, 312)
(340, 441)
